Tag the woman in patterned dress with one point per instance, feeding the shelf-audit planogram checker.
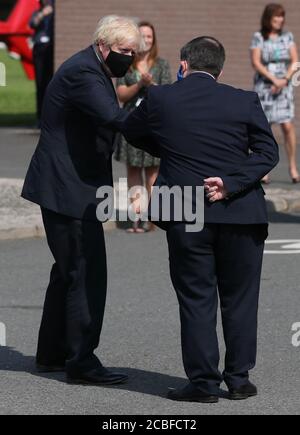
(148, 69)
(273, 53)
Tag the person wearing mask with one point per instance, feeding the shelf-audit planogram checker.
(80, 118)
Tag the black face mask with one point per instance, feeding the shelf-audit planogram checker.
(118, 63)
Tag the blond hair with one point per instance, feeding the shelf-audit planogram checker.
(114, 29)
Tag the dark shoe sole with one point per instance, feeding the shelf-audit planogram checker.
(49, 369)
(85, 382)
(240, 396)
(208, 400)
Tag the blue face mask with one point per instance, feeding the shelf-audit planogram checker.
(180, 74)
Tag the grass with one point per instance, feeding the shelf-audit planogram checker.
(17, 98)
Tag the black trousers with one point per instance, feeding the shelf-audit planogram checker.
(75, 299)
(224, 260)
(43, 57)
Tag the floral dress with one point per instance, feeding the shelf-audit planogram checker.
(125, 152)
(275, 55)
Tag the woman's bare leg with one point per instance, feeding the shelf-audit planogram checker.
(135, 178)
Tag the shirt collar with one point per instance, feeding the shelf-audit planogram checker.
(101, 60)
(203, 72)
(99, 57)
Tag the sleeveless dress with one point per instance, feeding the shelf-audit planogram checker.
(275, 56)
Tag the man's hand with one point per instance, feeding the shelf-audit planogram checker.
(215, 189)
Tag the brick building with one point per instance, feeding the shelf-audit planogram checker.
(231, 21)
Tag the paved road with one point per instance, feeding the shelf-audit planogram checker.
(141, 332)
(17, 146)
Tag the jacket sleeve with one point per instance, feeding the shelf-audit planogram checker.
(137, 131)
(263, 158)
(89, 93)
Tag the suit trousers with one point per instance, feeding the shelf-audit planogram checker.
(75, 299)
(222, 260)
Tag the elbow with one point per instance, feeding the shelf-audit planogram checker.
(273, 153)
(256, 65)
(275, 158)
(121, 98)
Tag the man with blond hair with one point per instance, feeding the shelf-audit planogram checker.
(80, 118)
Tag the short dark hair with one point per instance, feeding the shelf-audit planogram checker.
(204, 54)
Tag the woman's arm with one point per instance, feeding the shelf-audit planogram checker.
(126, 93)
(259, 66)
(262, 70)
(294, 59)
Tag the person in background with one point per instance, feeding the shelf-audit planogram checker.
(273, 53)
(148, 69)
(42, 21)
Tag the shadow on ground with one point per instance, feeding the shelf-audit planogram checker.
(142, 381)
(284, 218)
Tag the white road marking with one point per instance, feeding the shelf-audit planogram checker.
(2, 334)
(287, 246)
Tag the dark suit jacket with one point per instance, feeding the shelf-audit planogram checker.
(79, 121)
(201, 128)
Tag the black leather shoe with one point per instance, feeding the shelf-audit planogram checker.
(98, 377)
(49, 368)
(192, 394)
(243, 393)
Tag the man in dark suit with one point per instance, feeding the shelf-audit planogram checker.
(80, 118)
(214, 135)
